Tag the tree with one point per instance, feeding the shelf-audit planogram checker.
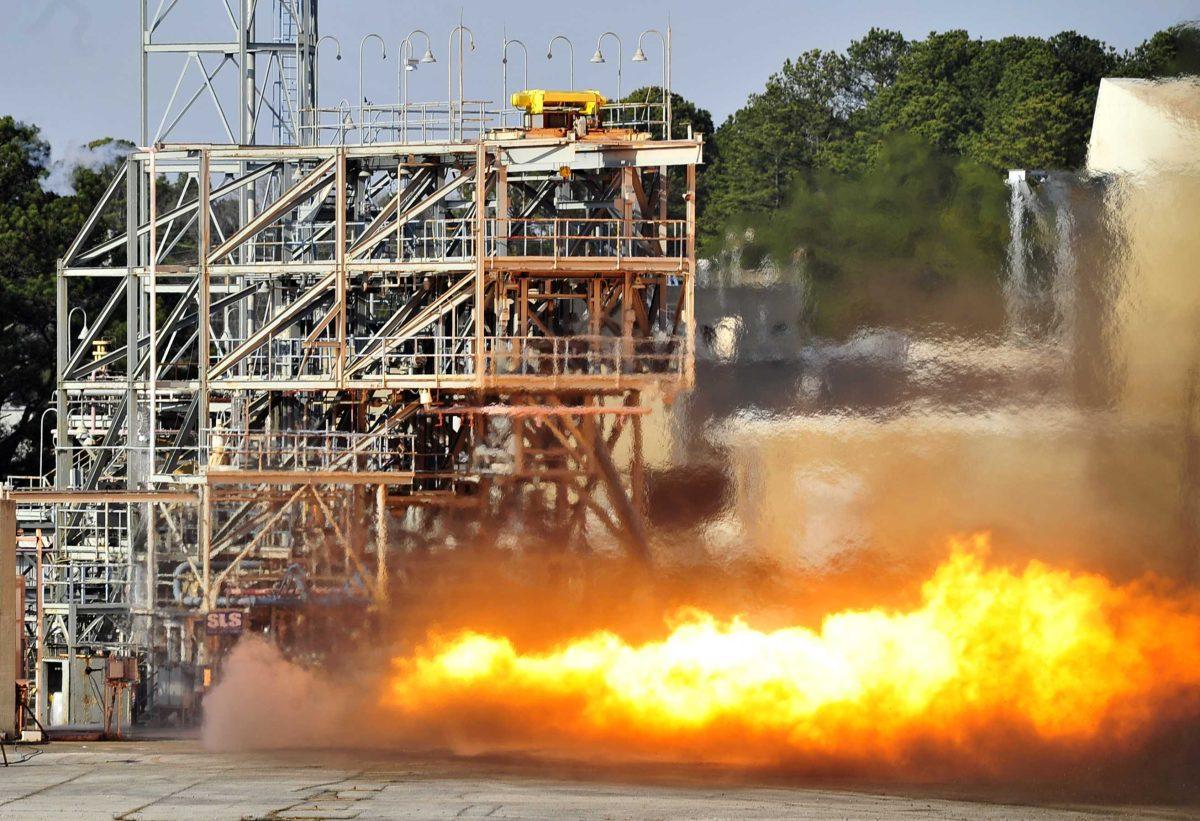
(779, 131)
(35, 228)
(1169, 53)
(808, 115)
(685, 114)
(888, 242)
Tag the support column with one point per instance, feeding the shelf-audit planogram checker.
(203, 308)
(340, 251)
(480, 256)
(62, 457)
(204, 528)
(11, 617)
(132, 318)
(381, 544)
(689, 281)
(502, 221)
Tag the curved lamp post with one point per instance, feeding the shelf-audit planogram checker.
(407, 64)
(598, 57)
(362, 100)
(639, 56)
(83, 332)
(42, 440)
(570, 46)
(459, 29)
(317, 57)
(504, 73)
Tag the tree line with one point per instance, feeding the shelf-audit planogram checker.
(858, 168)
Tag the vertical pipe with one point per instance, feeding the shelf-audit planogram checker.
(689, 280)
(340, 251)
(204, 526)
(132, 316)
(143, 69)
(246, 65)
(667, 101)
(39, 707)
(11, 617)
(381, 543)
(152, 354)
(246, 196)
(62, 456)
(461, 58)
(500, 241)
(151, 568)
(481, 234)
(203, 298)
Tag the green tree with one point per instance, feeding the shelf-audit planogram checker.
(1169, 53)
(35, 228)
(890, 241)
(779, 131)
(685, 116)
(808, 115)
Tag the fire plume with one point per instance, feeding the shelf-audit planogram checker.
(1055, 657)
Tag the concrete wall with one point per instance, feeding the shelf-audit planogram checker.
(1145, 126)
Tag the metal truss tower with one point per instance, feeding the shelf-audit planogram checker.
(254, 84)
(412, 328)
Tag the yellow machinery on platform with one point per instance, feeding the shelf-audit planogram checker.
(540, 101)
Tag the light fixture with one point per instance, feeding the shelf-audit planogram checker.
(83, 332)
(410, 64)
(639, 56)
(428, 57)
(597, 57)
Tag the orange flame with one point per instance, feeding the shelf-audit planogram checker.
(1064, 657)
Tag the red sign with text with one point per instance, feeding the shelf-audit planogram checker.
(224, 623)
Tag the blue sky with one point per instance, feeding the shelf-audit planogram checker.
(70, 66)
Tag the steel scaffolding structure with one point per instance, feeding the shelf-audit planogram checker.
(411, 328)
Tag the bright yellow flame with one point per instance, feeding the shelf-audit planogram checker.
(1063, 655)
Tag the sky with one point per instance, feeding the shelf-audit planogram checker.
(71, 66)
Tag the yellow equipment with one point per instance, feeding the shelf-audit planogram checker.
(541, 100)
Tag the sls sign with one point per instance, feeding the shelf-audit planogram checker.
(224, 622)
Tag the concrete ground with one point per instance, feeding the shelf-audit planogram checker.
(177, 779)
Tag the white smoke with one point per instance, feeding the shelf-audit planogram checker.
(265, 701)
(60, 179)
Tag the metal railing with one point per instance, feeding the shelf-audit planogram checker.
(433, 355)
(556, 356)
(432, 240)
(311, 450)
(453, 121)
(562, 237)
(650, 118)
(454, 239)
(424, 122)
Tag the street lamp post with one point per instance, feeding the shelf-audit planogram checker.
(315, 123)
(362, 100)
(504, 73)
(83, 332)
(639, 56)
(570, 47)
(459, 29)
(598, 57)
(407, 64)
(317, 56)
(42, 440)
